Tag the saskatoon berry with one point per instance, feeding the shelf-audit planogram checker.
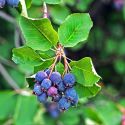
(69, 80)
(53, 110)
(61, 87)
(55, 78)
(13, 3)
(2, 3)
(46, 84)
(47, 71)
(63, 104)
(42, 98)
(37, 90)
(70, 94)
(75, 101)
(40, 76)
(52, 91)
(56, 98)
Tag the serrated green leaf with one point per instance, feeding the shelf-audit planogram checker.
(52, 1)
(46, 64)
(84, 72)
(75, 29)
(88, 92)
(26, 55)
(25, 110)
(39, 33)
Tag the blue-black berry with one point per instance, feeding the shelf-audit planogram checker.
(13, 3)
(46, 84)
(47, 71)
(74, 102)
(69, 80)
(2, 3)
(52, 91)
(37, 90)
(42, 98)
(61, 87)
(56, 78)
(70, 94)
(40, 76)
(63, 104)
(57, 97)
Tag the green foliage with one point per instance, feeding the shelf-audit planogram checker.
(77, 30)
(83, 5)
(26, 55)
(23, 113)
(7, 104)
(39, 33)
(105, 45)
(85, 72)
(59, 13)
(46, 64)
(52, 2)
(60, 68)
(88, 91)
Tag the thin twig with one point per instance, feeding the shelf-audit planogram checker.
(7, 62)
(45, 10)
(17, 38)
(53, 65)
(7, 17)
(24, 9)
(8, 78)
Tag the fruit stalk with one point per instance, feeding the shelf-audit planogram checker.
(45, 10)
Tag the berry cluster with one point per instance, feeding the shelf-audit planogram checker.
(52, 86)
(13, 3)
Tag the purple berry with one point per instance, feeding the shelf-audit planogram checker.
(2, 3)
(61, 87)
(118, 4)
(70, 94)
(46, 84)
(69, 80)
(47, 71)
(75, 101)
(53, 110)
(42, 98)
(52, 91)
(40, 76)
(57, 97)
(63, 104)
(55, 78)
(13, 3)
(37, 90)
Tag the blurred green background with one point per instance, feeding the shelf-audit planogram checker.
(105, 45)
